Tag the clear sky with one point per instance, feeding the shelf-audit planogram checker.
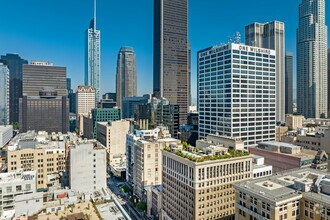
(54, 30)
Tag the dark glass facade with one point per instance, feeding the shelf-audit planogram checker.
(45, 105)
(104, 115)
(289, 83)
(149, 116)
(171, 53)
(110, 95)
(15, 66)
(72, 101)
(129, 104)
(49, 113)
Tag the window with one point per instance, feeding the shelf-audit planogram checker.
(18, 188)
(9, 189)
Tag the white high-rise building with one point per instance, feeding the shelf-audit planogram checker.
(271, 35)
(88, 168)
(236, 92)
(92, 56)
(4, 95)
(312, 45)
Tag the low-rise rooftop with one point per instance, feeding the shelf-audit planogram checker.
(17, 176)
(34, 140)
(4, 128)
(279, 188)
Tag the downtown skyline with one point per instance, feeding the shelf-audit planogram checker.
(43, 39)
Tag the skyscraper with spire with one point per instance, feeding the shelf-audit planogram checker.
(92, 56)
(312, 45)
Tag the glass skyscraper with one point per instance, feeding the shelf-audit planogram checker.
(4, 95)
(92, 56)
(312, 45)
(126, 79)
(171, 53)
(15, 65)
(288, 83)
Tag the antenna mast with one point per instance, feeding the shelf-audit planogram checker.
(94, 15)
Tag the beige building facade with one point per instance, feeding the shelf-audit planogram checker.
(113, 136)
(48, 162)
(293, 122)
(201, 190)
(147, 170)
(85, 102)
(289, 195)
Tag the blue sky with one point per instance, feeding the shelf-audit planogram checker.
(53, 30)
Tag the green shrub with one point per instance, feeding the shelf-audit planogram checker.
(142, 206)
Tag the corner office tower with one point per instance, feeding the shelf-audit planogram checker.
(312, 42)
(171, 53)
(236, 92)
(92, 56)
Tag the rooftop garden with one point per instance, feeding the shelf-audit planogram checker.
(196, 155)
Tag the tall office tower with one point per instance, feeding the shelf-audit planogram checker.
(171, 53)
(39, 75)
(4, 95)
(288, 83)
(198, 184)
(70, 95)
(15, 65)
(126, 82)
(271, 35)
(312, 72)
(44, 106)
(68, 86)
(72, 104)
(328, 83)
(236, 92)
(92, 56)
(85, 102)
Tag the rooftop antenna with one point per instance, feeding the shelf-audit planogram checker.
(94, 15)
(230, 39)
(237, 38)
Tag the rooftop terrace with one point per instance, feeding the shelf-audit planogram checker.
(208, 154)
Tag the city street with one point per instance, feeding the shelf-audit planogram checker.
(115, 187)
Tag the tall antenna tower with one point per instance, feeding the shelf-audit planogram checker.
(94, 15)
